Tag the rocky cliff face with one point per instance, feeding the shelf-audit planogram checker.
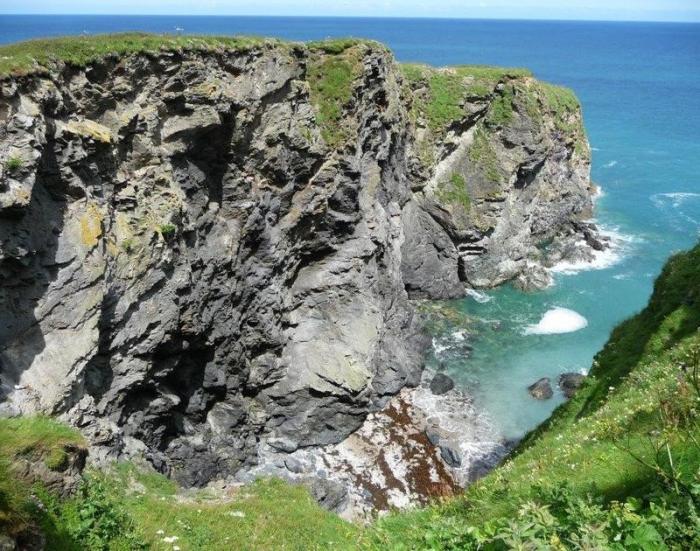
(209, 253)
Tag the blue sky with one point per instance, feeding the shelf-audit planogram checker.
(654, 10)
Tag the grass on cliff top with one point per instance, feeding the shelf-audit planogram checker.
(632, 433)
(449, 87)
(33, 55)
(331, 77)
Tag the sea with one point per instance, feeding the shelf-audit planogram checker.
(639, 85)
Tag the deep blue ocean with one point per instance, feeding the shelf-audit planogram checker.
(639, 84)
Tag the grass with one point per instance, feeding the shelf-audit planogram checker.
(454, 192)
(331, 79)
(450, 87)
(482, 154)
(37, 55)
(599, 443)
(167, 230)
(153, 513)
(14, 163)
(36, 438)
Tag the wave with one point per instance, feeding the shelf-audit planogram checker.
(479, 296)
(556, 321)
(619, 244)
(610, 164)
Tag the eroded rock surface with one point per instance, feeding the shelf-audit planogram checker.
(203, 260)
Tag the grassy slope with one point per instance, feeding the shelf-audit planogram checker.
(36, 438)
(588, 444)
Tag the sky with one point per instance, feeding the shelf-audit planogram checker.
(629, 10)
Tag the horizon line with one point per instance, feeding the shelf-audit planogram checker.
(406, 17)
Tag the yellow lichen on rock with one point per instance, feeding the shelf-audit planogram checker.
(89, 129)
(91, 226)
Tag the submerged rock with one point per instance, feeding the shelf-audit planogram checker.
(441, 384)
(569, 383)
(541, 390)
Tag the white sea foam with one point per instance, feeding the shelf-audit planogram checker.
(610, 164)
(479, 296)
(557, 320)
(618, 246)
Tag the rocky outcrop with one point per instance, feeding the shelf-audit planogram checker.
(209, 254)
(541, 389)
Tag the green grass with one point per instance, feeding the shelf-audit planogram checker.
(450, 87)
(331, 79)
(14, 163)
(482, 154)
(167, 230)
(604, 442)
(454, 192)
(148, 508)
(37, 55)
(35, 438)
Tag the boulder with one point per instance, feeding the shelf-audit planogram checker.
(450, 456)
(569, 383)
(541, 390)
(441, 384)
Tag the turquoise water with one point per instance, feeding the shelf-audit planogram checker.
(639, 84)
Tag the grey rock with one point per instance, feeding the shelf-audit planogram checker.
(441, 384)
(569, 383)
(541, 390)
(433, 437)
(450, 456)
(330, 495)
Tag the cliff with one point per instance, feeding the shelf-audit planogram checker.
(208, 246)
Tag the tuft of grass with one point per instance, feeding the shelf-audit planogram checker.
(454, 192)
(331, 79)
(38, 55)
(14, 163)
(167, 230)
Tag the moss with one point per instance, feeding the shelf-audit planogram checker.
(454, 192)
(331, 81)
(37, 55)
(482, 154)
